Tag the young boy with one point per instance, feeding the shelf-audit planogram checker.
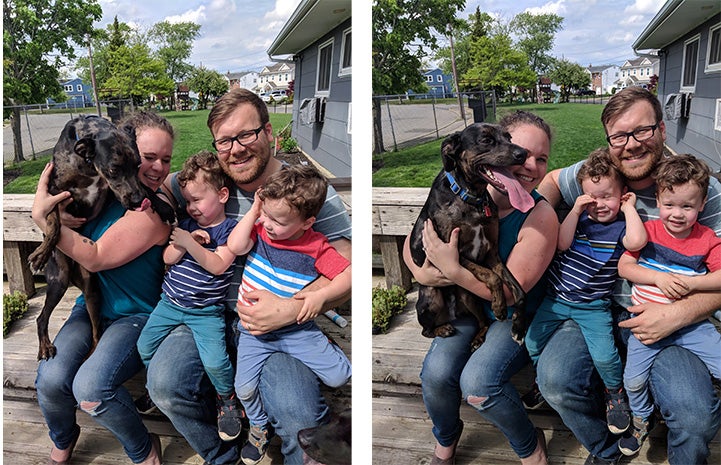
(196, 282)
(681, 256)
(591, 239)
(285, 255)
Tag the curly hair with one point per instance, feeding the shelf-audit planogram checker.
(302, 186)
(679, 170)
(203, 167)
(520, 117)
(599, 165)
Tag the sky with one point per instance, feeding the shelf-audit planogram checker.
(234, 35)
(595, 32)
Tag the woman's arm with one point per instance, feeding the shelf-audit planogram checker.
(427, 275)
(128, 238)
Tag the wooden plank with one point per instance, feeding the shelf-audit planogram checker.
(15, 260)
(396, 271)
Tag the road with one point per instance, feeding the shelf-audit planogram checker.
(44, 129)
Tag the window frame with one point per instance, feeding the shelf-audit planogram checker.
(684, 87)
(327, 44)
(347, 38)
(713, 67)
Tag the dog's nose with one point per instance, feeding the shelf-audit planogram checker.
(519, 154)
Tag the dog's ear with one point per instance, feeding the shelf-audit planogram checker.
(449, 151)
(84, 147)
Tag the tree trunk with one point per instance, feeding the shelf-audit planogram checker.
(377, 128)
(15, 120)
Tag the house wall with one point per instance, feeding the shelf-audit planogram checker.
(695, 134)
(328, 143)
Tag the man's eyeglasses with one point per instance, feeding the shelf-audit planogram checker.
(244, 138)
(640, 134)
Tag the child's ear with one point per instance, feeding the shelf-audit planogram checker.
(223, 194)
(307, 224)
(703, 204)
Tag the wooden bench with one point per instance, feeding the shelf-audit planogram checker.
(395, 210)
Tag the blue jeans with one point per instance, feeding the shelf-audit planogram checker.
(208, 326)
(68, 380)
(305, 342)
(180, 388)
(451, 373)
(679, 383)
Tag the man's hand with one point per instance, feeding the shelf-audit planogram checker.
(269, 312)
(651, 323)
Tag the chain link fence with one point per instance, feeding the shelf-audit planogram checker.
(408, 120)
(41, 124)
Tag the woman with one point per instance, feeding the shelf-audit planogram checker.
(450, 371)
(125, 250)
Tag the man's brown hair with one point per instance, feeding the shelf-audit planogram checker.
(681, 169)
(230, 101)
(624, 98)
(302, 186)
(203, 167)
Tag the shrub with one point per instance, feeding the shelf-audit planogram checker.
(288, 145)
(14, 307)
(386, 303)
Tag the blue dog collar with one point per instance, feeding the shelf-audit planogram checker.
(482, 202)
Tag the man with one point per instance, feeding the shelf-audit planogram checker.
(679, 381)
(242, 135)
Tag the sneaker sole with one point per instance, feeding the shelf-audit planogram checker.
(227, 437)
(615, 430)
(148, 411)
(628, 452)
(534, 406)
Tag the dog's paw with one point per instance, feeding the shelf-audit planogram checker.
(444, 330)
(479, 339)
(46, 352)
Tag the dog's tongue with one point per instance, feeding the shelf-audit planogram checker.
(520, 199)
(144, 205)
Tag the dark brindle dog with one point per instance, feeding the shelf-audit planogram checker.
(92, 159)
(329, 443)
(458, 198)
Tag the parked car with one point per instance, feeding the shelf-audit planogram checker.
(265, 96)
(279, 96)
(585, 92)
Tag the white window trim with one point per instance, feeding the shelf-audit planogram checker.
(716, 67)
(696, 38)
(348, 70)
(324, 93)
(439, 78)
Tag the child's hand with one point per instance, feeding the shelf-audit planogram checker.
(201, 236)
(257, 203)
(313, 303)
(628, 200)
(672, 285)
(582, 201)
(181, 238)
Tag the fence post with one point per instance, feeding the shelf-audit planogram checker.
(393, 132)
(435, 119)
(30, 133)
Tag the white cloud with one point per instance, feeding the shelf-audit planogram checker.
(558, 8)
(193, 16)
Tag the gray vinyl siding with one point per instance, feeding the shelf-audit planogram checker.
(695, 134)
(328, 143)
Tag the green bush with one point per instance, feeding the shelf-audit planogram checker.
(386, 303)
(288, 145)
(14, 307)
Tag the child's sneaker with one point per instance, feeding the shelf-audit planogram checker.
(254, 449)
(144, 404)
(617, 410)
(229, 417)
(632, 444)
(533, 399)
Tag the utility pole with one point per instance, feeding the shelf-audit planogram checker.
(455, 75)
(92, 76)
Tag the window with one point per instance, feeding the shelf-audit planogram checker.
(325, 55)
(429, 78)
(345, 59)
(79, 87)
(713, 51)
(690, 59)
(439, 78)
(68, 88)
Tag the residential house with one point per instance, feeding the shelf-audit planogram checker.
(686, 35)
(440, 85)
(243, 80)
(603, 78)
(276, 76)
(317, 38)
(637, 72)
(79, 94)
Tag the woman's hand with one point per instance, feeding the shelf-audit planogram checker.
(44, 202)
(443, 255)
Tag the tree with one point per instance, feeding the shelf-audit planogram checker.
(402, 35)
(175, 44)
(38, 37)
(569, 76)
(536, 36)
(207, 83)
(135, 74)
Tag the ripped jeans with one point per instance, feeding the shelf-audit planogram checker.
(451, 373)
(67, 381)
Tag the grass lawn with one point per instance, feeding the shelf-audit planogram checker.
(576, 127)
(191, 136)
